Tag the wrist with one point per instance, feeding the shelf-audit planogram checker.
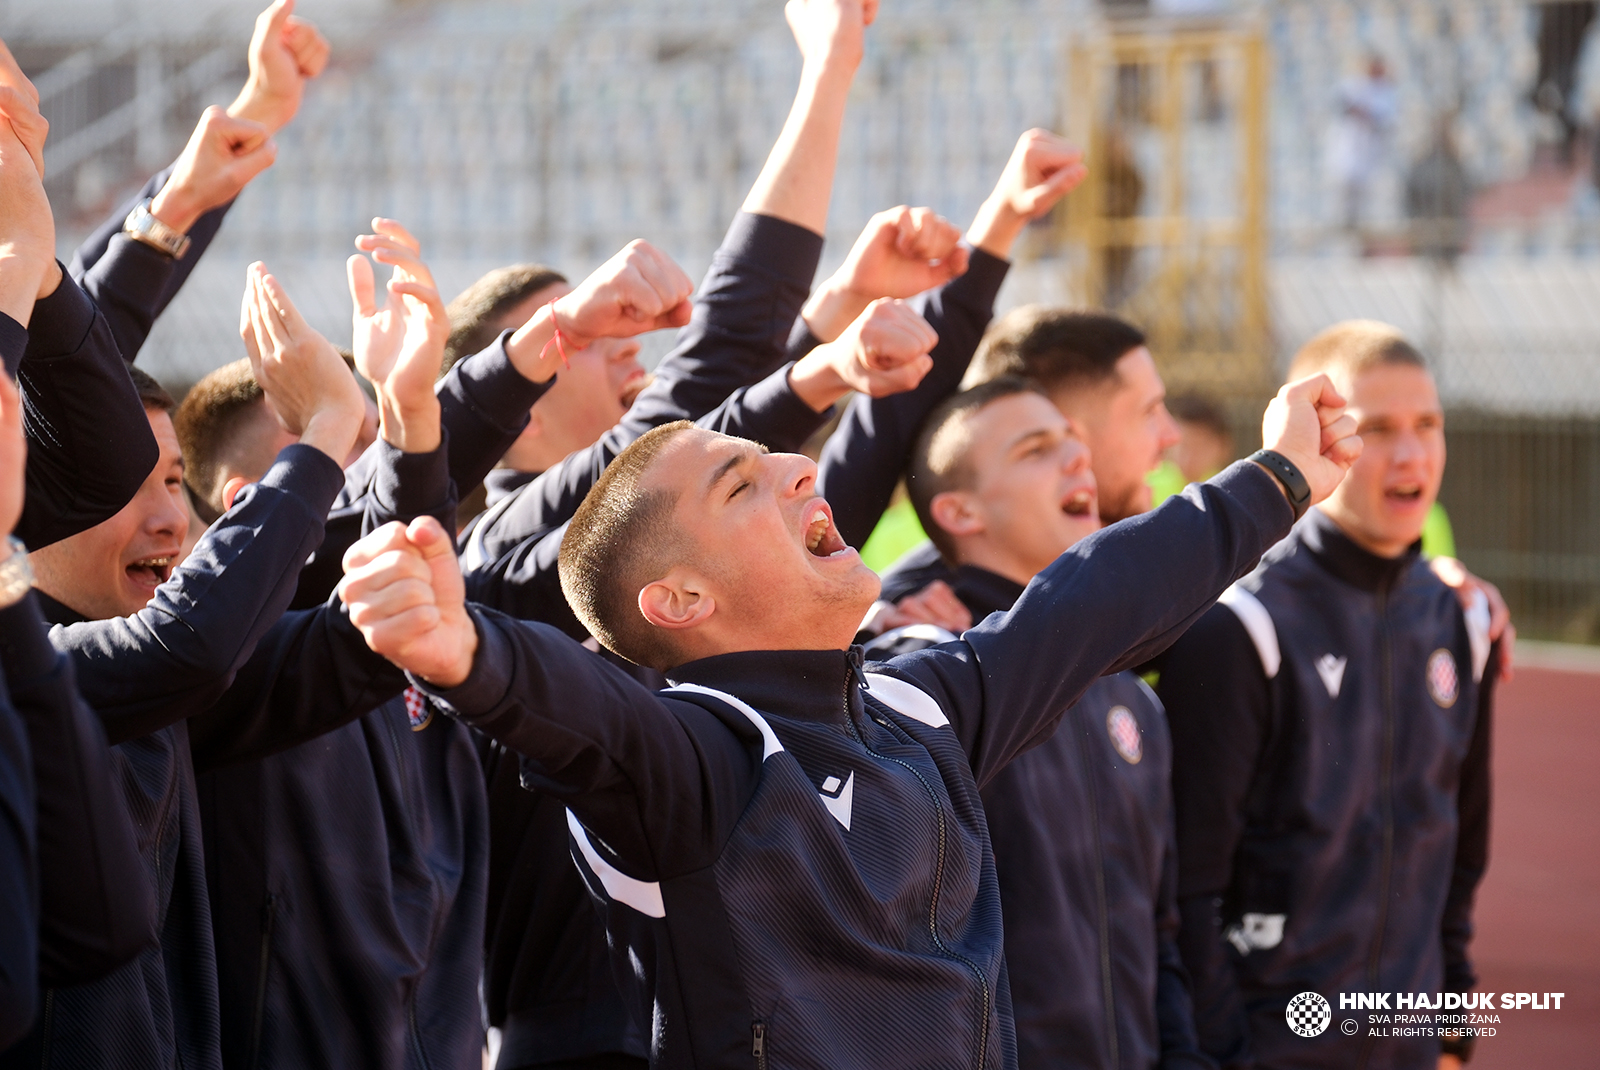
(995, 228)
(333, 431)
(257, 105)
(457, 673)
(1296, 488)
(23, 280)
(409, 428)
(832, 308)
(529, 347)
(177, 207)
(815, 379)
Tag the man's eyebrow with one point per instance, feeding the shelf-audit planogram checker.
(1028, 436)
(725, 467)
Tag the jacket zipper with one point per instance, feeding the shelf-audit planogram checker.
(46, 1021)
(1086, 752)
(269, 921)
(1385, 801)
(758, 1043)
(854, 659)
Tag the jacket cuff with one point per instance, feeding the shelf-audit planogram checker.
(491, 386)
(25, 650)
(979, 285)
(13, 343)
(409, 485)
(801, 341)
(773, 404)
(773, 247)
(487, 683)
(1261, 495)
(60, 322)
(307, 473)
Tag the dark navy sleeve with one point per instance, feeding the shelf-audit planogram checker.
(1111, 602)
(97, 906)
(867, 455)
(130, 282)
(483, 407)
(1472, 838)
(313, 672)
(19, 880)
(90, 447)
(661, 782)
(1220, 708)
(743, 313)
(175, 656)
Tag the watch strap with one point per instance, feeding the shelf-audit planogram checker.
(1287, 473)
(142, 226)
(16, 574)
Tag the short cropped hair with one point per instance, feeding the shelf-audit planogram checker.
(618, 541)
(1347, 349)
(152, 394)
(478, 312)
(208, 420)
(939, 460)
(1054, 348)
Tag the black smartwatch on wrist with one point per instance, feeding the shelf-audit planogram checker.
(1288, 473)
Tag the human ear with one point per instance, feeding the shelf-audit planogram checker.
(231, 489)
(676, 602)
(956, 513)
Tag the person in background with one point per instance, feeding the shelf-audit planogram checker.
(1331, 722)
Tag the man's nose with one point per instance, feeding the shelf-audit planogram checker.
(800, 472)
(1169, 430)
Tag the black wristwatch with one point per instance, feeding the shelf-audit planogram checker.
(1293, 480)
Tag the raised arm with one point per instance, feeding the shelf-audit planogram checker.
(1145, 579)
(867, 455)
(133, 282)
(91, 445)
(175, 656)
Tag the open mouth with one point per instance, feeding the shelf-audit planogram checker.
(151, 571)
(632, 389)
(1405, 493)
(1079, 503)
(822, 538)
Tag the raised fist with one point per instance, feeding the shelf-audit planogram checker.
(285, 53)
(831, 30)
(638, 290)
(901, 253)
(405, 593)
(883, 352)
(223, 154)
(1307, 423)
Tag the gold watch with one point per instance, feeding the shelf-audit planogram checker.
(16, 575)
(141, 226)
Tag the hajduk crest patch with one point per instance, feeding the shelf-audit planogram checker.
(1443, 683)
(418, 710)
(1123, 729)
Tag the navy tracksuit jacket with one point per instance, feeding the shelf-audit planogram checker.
(1331, 724)
(1084, 847)
(796, 869)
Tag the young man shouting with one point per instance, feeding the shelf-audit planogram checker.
(1330, 725)
(792, 853)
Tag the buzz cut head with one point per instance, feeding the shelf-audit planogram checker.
(1347, 349)
(620, 539)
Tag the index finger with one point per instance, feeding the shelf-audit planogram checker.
(392, 536)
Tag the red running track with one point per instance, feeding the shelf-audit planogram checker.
(1538, 910)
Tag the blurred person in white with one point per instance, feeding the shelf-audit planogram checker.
(1358, 146)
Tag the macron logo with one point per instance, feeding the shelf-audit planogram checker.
(1331, 669)
(837, 797)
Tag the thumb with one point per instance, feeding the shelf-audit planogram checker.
(274, 18)
(438, 549)
(248, 163)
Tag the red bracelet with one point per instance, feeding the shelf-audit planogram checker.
(555, 339)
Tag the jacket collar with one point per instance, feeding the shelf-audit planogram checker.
(984, 592)
(1339, 554)
(801, 685)
(57, 612)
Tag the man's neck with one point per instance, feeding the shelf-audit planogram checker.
(1385, 548)
(992, 558)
